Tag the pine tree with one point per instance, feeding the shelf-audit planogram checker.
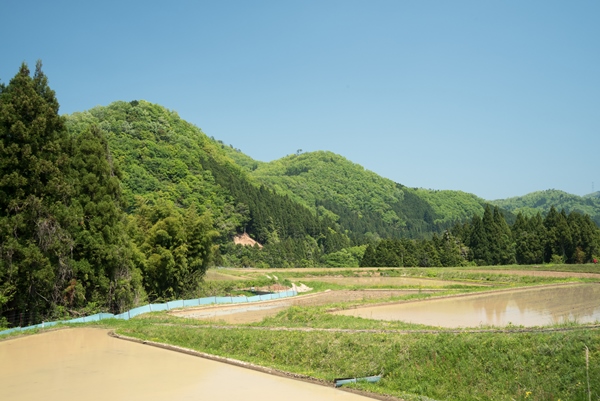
(501, 240)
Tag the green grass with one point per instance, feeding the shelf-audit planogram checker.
(443, 366)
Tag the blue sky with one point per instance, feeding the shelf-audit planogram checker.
(498, 99)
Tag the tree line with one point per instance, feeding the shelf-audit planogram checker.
(487, 240)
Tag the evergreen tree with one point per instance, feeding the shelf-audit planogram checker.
(479, 242)
(427, 254)
(528, 247)
(501, 240)
(558, 235)
(585, 238)
(34, 196)
(369, 257)
(103, 269)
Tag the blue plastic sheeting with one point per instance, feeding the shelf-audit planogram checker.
(157, 307)
(175, 304)
(124, 316)
(190, 302)
(208, 301)
(160, 307)
(139, 310)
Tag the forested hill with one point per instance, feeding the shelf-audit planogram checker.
(362, 201)
(543, 201)
(164, 158)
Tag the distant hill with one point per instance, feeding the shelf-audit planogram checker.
(542, 201)
(362, 201)
(593, 195)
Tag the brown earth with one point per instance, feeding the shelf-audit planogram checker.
(244, 239)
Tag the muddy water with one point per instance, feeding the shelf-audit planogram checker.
(87, 364)
(237, 314)
(527, 307)
(250, 313)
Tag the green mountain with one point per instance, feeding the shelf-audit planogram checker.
(593, 195)
(362, 201)
(165, 159)
(542, 201)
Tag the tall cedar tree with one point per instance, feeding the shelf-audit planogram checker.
(103, 269)
(62, 241)
(34, 194)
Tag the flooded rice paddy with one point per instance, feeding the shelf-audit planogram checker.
(88, 364)
(251, 313)
(525, 307)
(386, 281)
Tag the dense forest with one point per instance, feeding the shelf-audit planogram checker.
(542, 201)
(489, 240)
(128, 203)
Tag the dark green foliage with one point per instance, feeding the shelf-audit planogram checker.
(34, 196)
(542, 201)
(490, 239)
(177, 246)
(62, 241)
(364, 204)
(558, 240)
(530, 238)
(102, 251)
(370, 257)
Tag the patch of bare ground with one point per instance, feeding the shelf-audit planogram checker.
(245, 240)
(212, 275)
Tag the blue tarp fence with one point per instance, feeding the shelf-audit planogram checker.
(182, 303)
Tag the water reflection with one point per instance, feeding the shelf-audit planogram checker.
(527, 307)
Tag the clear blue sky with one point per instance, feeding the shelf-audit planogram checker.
(494, 98)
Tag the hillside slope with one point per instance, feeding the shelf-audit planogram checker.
(542, 201)
(362, 201)
(163, 157)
